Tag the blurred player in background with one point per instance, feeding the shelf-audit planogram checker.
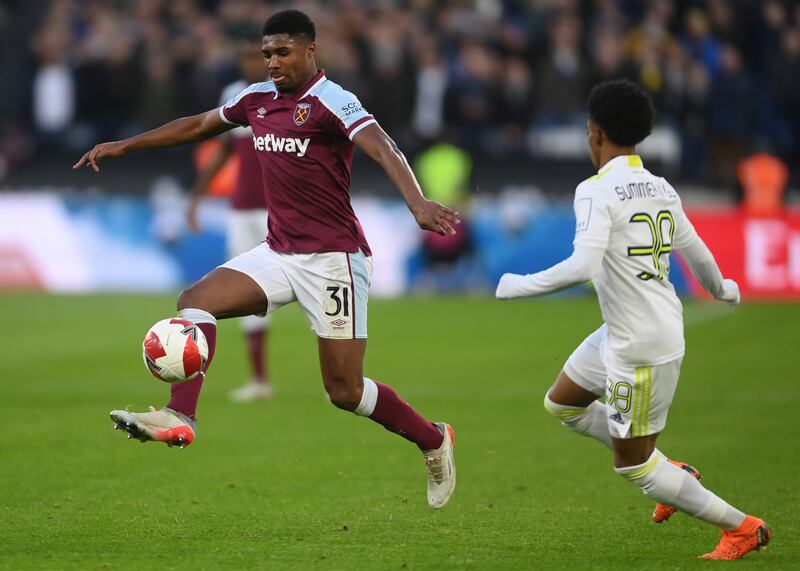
(247, 223)
(627, 223)
(304, 130)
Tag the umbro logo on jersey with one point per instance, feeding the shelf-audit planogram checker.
(301, 113)
(261, 112)
(271, 143)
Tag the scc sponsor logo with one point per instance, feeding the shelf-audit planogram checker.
(350, 108)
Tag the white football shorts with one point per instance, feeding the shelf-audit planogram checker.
(637, 397)
(332, 287)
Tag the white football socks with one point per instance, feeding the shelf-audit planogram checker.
(369, 398)
(666, 483)
(589, 421)
(197, 316)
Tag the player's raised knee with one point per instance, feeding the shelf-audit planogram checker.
(343, 394)
(559, 411)
(187, 298)
(546, 402)
(196, 298)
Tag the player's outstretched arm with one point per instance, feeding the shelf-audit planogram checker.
(580, 267)
(701, 261)
(430, 215)
(178, 132)
(705, 268)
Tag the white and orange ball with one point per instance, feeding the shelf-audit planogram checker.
(175, 350)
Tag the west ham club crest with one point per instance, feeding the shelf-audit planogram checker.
(301, 113)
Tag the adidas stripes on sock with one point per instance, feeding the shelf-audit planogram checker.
(666, 483)
(589, 421)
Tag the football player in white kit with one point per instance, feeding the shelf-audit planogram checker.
(627, 223)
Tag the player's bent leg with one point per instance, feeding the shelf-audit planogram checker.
(221, 293)
(225, 293)
(577, 409)
(667, 483)
(341, 362)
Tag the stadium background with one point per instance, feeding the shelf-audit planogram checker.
(486, 97)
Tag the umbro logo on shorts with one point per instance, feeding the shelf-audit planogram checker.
(338, 323)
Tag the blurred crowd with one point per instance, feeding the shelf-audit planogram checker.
(482, 74)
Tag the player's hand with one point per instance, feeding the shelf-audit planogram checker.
(510, 286)
(431, 215)
(730, 292)
(191, 215)
(113, 149)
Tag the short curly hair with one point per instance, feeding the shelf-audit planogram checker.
(294, 23)
(623, 110)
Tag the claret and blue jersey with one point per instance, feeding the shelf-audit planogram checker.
(305, 149)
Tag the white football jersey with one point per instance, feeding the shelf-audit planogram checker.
(637, 218)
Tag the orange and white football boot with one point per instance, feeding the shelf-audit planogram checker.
(164, 425)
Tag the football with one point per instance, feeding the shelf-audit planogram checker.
(175, 350)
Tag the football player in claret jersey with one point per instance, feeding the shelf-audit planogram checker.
(627, 223)
(304, 131)
(247, 222)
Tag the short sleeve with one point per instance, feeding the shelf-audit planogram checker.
(234, 111)
(592, 217)
(347, 115)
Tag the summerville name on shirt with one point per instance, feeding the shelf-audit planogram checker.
(271, 143)
(636, 190)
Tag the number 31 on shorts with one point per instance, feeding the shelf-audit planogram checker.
(338, 302)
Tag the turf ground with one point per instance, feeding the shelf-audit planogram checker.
(296, 484)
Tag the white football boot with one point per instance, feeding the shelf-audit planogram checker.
(163, 425)
(441, 468)
(252, 391)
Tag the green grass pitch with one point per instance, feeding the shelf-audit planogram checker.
(297, 484)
